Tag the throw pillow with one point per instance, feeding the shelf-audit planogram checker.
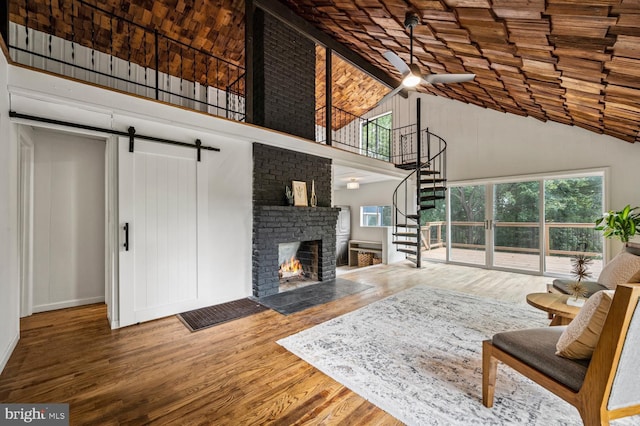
(623, 268)
(579, 339)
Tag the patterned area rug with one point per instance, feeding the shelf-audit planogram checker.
(418, 356)
(200, 319)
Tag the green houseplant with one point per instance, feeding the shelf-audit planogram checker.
(622, 224)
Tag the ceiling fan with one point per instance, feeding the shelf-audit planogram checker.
(411, 75)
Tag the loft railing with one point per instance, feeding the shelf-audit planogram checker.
(90, 43)
(405, 150)
(347, 133)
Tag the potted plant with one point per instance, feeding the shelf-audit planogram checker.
(622, 224)
(580, 270)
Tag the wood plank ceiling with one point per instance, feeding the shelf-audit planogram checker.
(575, 62)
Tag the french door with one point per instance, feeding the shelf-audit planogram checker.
(162, 214)
(468, 224)
(534, 225)
(496, 225)
(514, 226)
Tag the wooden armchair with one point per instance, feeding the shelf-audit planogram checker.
(603, 389)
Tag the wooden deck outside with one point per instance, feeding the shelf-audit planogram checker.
(515, 261)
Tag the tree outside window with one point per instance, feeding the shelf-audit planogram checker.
(375, 137)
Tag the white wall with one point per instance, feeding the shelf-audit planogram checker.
(9, 280)
(483, 143)
(230, 173)
(69, 217)
(372, 194)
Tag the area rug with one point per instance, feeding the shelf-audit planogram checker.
(199, 319)
(292, 301)
(418, 356)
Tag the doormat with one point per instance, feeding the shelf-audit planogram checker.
(202, 318)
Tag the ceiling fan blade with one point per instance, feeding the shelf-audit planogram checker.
(389, 95)
(396, 62)
(448, 78)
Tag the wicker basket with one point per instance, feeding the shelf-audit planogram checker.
(377, 260)
(365, 259)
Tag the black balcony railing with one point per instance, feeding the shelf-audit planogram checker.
(89, 42)
(355, 134)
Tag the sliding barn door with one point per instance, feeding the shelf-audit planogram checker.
(162, 213)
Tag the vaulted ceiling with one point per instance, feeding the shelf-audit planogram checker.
(575, 62)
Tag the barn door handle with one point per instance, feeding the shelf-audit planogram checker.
(126, 236)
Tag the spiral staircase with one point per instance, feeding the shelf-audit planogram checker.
(418, 192)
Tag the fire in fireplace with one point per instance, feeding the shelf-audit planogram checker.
(298, 263)
(291, 268)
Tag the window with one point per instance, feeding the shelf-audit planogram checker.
(375, 137)
(375, 216)
(535, 223)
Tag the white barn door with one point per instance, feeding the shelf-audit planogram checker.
(162, 212)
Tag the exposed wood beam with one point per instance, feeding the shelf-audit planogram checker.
(248, 60)
(289, 17)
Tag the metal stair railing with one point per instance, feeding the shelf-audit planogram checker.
(430, 177)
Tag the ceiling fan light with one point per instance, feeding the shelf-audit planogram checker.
(411, 80)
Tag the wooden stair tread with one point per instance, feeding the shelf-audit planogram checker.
(431, 197)
(406, 166)
(406, 243)
(433, 189)
(406, 234)
(408, 251)
(406, 225)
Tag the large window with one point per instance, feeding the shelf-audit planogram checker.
(375, 216)
(375, 137)
(533, 224)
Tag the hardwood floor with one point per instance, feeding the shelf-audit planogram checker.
(235, 373)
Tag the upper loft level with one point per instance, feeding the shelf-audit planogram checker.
(283, 81)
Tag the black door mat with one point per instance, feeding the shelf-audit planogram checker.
(293, 301)
(202, 318)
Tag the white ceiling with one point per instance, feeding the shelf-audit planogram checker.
(343, 174)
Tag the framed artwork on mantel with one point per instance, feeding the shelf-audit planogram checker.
(299, 193)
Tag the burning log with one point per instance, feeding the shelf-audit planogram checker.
(290, 268)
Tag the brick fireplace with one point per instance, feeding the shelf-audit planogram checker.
(275, 222)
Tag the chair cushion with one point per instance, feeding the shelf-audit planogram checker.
(536, 347)
(579, 339)
(624, 268)
(591, 286)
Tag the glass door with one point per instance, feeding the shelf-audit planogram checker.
(468, 224)
(571, 204)
(515, 226)
(533, 225)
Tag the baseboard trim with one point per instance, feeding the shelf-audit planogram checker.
(7, 354)
(68, 304)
